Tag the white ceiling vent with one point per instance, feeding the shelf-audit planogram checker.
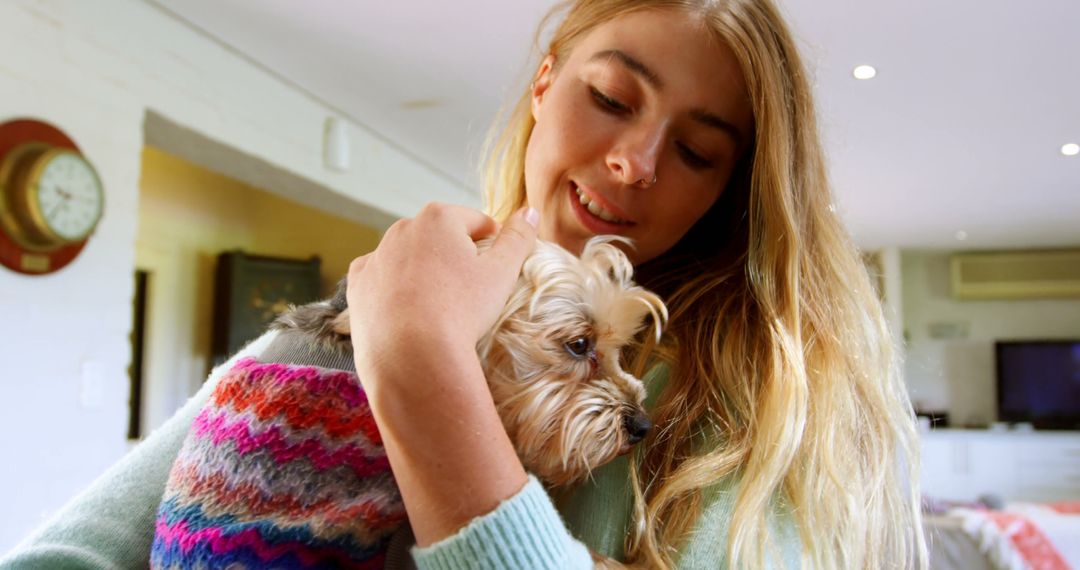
(1016, 275)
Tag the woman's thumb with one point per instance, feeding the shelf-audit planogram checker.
(516, 238)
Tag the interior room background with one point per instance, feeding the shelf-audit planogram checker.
(200, 150)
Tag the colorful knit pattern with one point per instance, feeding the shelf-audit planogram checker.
(283, 468)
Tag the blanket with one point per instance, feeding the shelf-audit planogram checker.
(1026, 536)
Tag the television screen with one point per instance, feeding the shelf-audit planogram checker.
(1039, 382)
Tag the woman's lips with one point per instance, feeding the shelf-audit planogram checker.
(593, 221)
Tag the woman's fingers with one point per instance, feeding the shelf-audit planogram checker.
(358, 264)
(476, 224)
(352, 281)
(515, 241)
(426, 273)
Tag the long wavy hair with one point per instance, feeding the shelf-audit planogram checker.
(777, 341)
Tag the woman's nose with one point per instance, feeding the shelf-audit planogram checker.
(634, 157)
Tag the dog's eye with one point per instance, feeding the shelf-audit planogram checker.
(578, 347)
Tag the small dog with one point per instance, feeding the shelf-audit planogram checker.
(284, 466)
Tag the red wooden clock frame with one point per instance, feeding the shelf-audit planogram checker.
(13, 255)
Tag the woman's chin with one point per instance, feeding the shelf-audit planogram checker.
(574, 245)
(566, 238)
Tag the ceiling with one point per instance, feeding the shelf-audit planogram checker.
(959, 135)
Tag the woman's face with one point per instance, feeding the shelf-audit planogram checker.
(650, 95)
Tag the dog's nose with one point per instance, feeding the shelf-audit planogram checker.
(637, 426)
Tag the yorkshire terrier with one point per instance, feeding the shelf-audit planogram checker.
(284, 464)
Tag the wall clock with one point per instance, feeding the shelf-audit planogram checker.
(51, 198)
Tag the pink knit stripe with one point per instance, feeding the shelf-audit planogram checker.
(274, 442)
(337, 406)
(220, 543)
(367, 516)
(321, 381)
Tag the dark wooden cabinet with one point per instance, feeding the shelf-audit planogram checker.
(250, 291)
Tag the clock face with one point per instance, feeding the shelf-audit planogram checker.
(69, 196)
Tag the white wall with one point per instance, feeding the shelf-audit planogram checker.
(95, 69)
(950, 349)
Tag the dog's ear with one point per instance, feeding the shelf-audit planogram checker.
(338, 301)
(321, 318)
(604, 258)
(601, 254)
(340, 324)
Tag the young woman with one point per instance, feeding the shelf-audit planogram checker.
(783, 438)
(783, 433)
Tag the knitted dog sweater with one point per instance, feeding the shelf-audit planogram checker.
(282, 468)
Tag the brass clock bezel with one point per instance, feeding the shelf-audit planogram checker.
(21, 214)
(11, 178)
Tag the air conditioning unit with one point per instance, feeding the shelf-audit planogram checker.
(1016, 274)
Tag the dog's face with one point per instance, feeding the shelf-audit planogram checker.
(553, 360)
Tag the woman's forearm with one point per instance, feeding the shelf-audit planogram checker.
(418, 305)
(425, 406)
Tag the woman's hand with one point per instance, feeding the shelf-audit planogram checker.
(418, 305)
(425, 286)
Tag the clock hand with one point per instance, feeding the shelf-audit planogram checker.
(54, 209)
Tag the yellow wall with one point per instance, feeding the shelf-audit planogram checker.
(187, 216)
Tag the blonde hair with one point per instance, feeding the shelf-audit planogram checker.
(777, 340)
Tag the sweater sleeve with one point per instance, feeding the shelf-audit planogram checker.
(525, 531)
(110, 525)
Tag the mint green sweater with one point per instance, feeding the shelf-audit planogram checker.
(110, 525)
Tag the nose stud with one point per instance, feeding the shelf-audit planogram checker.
(646, 184)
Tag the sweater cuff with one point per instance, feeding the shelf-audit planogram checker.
(524, 531)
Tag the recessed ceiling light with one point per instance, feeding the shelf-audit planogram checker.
(1071, 149)
(864, 72)
(961, 235)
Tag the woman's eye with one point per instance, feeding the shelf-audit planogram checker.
(579, 347)
(607, 103)
(693, 159)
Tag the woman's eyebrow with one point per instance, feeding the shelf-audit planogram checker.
(710, 120)
(632, 64)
